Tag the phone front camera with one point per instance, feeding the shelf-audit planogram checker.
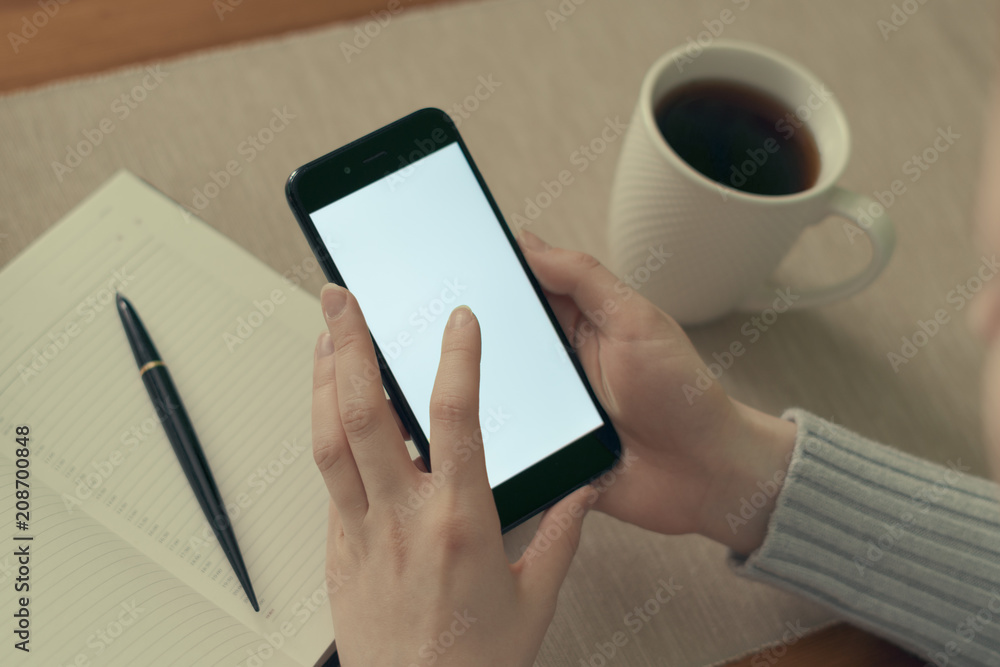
(347, 170)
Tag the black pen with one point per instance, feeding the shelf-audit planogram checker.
(170, 410)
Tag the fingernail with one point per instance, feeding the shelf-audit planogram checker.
(334, 298)
(459, 317)
(324, 346)
(533, 242)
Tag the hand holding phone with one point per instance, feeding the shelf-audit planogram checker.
(691, 455)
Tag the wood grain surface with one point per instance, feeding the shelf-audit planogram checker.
(83, 37)
(839, 646)
(64, 38)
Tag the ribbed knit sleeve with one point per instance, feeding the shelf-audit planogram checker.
(900, 546)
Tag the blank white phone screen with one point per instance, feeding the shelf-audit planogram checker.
(421, 241)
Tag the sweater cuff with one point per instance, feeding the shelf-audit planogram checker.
(899, 545)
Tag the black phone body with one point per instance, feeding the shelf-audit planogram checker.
(403, 218)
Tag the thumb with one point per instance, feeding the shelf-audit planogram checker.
(546, 561)
(605, 300)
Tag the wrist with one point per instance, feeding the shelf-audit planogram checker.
(755, 457)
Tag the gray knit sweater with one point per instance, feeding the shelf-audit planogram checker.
(902, 547)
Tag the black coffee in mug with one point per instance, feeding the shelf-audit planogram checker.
(739, 136)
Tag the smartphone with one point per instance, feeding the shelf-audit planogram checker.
(403, 219)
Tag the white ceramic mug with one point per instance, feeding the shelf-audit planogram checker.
(725, 243)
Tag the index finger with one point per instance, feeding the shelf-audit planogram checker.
(455, 436)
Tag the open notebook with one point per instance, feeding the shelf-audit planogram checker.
(124, 569)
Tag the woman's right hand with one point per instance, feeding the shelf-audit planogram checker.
(690, 454)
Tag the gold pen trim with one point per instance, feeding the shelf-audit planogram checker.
(148, 365)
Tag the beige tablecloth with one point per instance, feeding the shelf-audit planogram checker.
(535, 81)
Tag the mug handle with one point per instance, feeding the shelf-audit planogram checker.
(882, 235)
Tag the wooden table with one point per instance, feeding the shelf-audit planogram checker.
(84, 37)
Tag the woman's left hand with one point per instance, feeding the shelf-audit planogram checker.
(415, 583)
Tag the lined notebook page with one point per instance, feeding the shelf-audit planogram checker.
(67, 371)
(94, 599)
